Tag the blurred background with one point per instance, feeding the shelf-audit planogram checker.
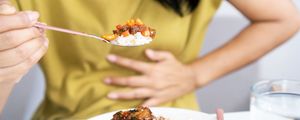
(231, 92)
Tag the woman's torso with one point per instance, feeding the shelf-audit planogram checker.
(75, 66)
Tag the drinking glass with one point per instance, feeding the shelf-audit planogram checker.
(276, 100)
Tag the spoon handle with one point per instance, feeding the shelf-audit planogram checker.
(44, 26)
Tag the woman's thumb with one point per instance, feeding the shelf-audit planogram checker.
(6, 8)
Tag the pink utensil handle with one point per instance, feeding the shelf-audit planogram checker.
(44, 26)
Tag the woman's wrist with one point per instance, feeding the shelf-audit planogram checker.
(201, 78)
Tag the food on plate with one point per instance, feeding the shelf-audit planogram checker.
(139, 113)
(134, 32)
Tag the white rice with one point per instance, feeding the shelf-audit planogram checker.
(132, 40)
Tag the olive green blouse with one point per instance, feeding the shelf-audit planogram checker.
(75, 66)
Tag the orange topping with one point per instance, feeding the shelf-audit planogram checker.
(130, 22)
(132, 26)
(119, 27)
(146, 33)
(109, 37)
(138, 21)
(126, 33)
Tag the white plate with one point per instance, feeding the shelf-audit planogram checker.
(170, 113)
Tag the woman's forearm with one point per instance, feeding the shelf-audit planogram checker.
(5, 90)
(252, 43)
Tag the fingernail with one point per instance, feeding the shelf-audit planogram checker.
(33, 16)
(107, 80)
(112, 96)
(7, 9)
(112, 58)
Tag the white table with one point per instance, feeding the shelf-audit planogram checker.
(237, 116)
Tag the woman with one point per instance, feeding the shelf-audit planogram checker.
(85, 78)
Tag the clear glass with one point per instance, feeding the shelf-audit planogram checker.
(276, 100)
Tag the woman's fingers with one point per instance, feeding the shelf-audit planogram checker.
(133, 81)
(163, 96)
(155, 101)
(167, 78)
(159, 55)
(21, 45)
(18, 54)
(12, 39)
(18, 21)
(130, 63)
(6, 8)
(10, 74)
(138, 93)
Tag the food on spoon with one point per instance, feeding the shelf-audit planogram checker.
(133, 33)
(139, 113)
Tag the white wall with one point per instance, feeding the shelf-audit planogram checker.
(230, 92)
(284, 62)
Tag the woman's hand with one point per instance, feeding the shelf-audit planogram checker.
(162, 81)
(21, 44)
